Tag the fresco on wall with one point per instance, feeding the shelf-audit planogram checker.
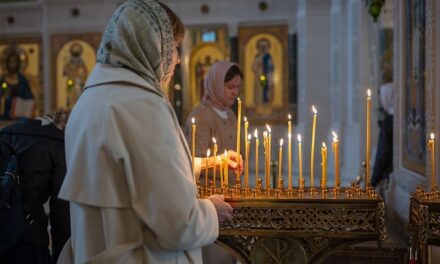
(414, 139)
(262, 50)
(21, 93)
(74, 58)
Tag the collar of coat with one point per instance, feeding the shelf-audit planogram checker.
(106, 74)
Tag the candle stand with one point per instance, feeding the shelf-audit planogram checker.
(424, 221)
(279, 225)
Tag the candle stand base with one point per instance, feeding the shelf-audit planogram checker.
(274, 227)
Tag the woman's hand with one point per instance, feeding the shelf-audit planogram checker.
(224, 210)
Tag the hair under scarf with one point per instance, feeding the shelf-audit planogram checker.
(215, 84)
(139, 37)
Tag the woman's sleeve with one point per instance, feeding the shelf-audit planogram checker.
(158, 173)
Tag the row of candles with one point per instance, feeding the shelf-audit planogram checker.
(267, 144)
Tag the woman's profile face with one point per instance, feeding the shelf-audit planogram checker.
(231, 90)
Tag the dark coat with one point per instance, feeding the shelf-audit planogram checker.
(41, 167)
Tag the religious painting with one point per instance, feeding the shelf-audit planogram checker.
(208, 45)
(74, 58)
(21, 93)
(263, 53)
(414, 132)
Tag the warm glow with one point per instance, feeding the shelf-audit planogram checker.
(245, 119)
(238, 99)
(323, 145)
(299, 138)
(289, 116)
(4, 85)
(262, 77)
(369, 93)
(208, 152)
(265, 134)
(281, 142)
(335, 136)
(432, 136)
(314, 110)
(193, 120)
(69, 82)
(213, 140)
(268, 128)
(289, 136)
(256, 133)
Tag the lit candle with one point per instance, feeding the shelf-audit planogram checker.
(324, 165)
(215, 167)
(335, 149)
(238, 129)
(368, 150)
(431, 146)
(256, 156)
(269, 152)
(312, 152)
(208, 152)
(246, 126)
(226, 169)
(289, 151)
(280, 160)
(193, 129)
(219, 159)
(300, 159)
(266, 156)
(246, 172)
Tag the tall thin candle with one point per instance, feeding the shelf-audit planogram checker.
(312, 152)
(238, 129)
(215, 148)
(431, 146)
(368, 139)
(335, 148)
(246, 172)
(208, 152)
(280, 160)
(289, 152)
(193, 152)
(300, 158)
(324, 165)
(256, 156)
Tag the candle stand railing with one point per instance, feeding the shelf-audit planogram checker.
(294, 225)
(424, 221)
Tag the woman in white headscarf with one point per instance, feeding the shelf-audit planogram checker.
(129, 177)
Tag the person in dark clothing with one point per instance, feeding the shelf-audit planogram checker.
(39, 147)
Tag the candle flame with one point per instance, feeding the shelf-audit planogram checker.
(265, 134)
(335, 136)
(245, 119)
(289, 117)
(289, 136)
(281, 143)
(193, 120)
(314, 110)
(238, 99)
(256, 133)
(299, 138)
(208, 152)
(226, 153)
(432, 136)
(249, 137)
(323, 145)
(268, 128)
(213, 140)
(369, 93)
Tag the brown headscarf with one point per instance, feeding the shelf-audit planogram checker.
(214, 84)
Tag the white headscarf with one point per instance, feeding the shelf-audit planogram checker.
(139, 37)
(214, 84)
